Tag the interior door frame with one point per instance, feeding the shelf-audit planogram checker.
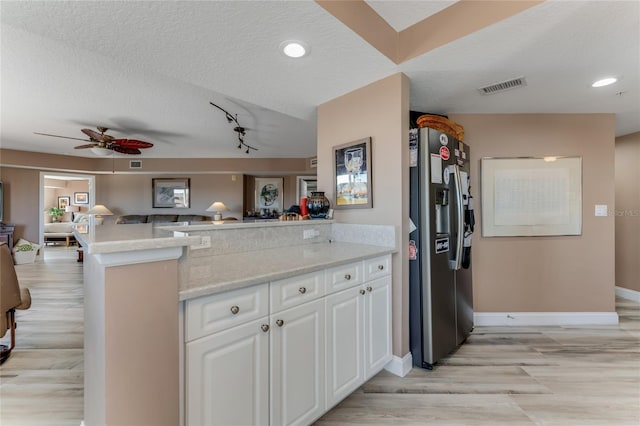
(92, 195)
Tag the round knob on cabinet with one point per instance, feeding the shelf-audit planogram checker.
(369, 289)
(265, 327)
(302, 290)
(347, 277)
(235, 309)
(279, 323)
(381, 267)
(362, 292)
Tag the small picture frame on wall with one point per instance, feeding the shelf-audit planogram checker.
(80, 198)
(64, 202)
(269, 194)
(352, 175)
(171, 193)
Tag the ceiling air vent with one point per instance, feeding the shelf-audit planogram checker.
(135, 164)
(503, 85)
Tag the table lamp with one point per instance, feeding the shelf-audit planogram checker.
(218, 207)
(99, 211)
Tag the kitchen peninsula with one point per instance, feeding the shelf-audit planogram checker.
(209, 323)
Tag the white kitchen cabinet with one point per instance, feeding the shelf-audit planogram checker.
(227, 377)
(297, 364)
(377, 325)
(358, 335)
(345, 343)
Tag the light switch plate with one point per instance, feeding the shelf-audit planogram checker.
(601, 210)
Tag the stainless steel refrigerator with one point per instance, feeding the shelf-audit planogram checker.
(440, 296)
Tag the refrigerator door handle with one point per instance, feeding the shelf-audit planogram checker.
(456, 264)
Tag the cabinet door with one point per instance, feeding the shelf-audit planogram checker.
(227, 377)
(297, 364)
(345, 343)
(377, 325)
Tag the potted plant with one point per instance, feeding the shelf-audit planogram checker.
(25, 252)
(55, 213)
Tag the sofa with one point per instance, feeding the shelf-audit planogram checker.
(63, 230)
(161, 218)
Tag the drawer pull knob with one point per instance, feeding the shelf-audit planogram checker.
(265, 327)
(235, 309)
(362, 292)
(347, 277)
(369, 289)
(381, 267)
(302, 290)
(279, 323)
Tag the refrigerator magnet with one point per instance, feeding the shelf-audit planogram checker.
(444, 139)
(436, 168)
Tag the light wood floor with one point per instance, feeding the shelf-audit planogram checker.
(501, 376)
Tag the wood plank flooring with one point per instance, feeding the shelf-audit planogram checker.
(501, 376)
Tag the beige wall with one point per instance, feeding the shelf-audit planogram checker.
(547, 274)
(132, 194)
(627, 212)
(21, 189)
(380, 110)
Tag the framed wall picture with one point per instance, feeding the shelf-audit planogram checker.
(63, 202)
(269, 194)
(171, 193)
(524, 197)
(80, 198)
(352, 175)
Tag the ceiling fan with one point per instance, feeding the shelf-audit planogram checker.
(101, 143)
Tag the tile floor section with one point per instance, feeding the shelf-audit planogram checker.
(501, 376)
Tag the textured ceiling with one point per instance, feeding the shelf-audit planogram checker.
(148, 70)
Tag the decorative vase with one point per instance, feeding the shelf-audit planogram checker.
(318, 205)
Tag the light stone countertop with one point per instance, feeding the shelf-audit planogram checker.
(216, 274)
(111, 238)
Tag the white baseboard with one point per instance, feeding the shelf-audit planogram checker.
(625, 293)
(544, 318)
(400, 366)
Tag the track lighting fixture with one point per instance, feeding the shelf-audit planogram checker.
(241, 131)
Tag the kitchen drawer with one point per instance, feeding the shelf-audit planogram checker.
(341, 277)
(296, 290)
(209, 314)
(377, 267)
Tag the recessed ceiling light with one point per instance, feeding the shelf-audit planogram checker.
(294, 48)
(604, 82)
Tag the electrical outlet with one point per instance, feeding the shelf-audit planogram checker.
(205, 242)
(310, 233)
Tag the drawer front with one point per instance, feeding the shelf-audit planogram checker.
(342, 277)
(377, 267)
(209, 314)
(296, 290)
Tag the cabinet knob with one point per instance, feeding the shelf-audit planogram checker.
(369, 289)
(235, 309)
(347, 277)
(302, 290)
(381, 267)
(265, 327)
(362, 292)
(279, 323)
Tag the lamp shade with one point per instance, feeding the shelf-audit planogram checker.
(101, 152)
(72, 209)
(218, 206)
(100, 210)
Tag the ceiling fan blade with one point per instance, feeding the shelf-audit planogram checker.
(89, 145)
(124, 149)
(57, 136)
(101, 137)
(132, 143)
